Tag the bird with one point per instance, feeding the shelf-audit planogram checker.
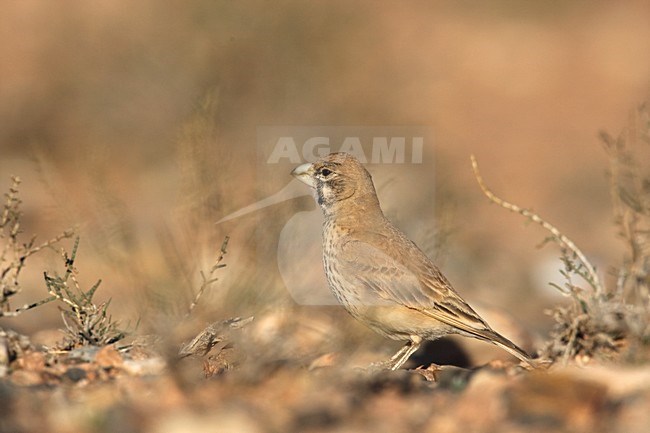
(378, 274)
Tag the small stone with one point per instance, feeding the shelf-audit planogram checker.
(75, 374)
(34, 361)
(109, 357)
(144, 367)
(26, 378)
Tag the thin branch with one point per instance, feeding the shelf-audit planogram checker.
(206, 281)
(562, 239)
(66, 234)
(26, 307)
(213, 334)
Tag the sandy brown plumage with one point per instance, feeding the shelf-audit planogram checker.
(380, 276)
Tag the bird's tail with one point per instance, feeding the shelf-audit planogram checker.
(512, 348)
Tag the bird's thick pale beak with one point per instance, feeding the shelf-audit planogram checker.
(305, 174)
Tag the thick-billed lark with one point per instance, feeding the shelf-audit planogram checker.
(381, 277)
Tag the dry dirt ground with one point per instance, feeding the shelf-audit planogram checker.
(246, 385)
(105, 390)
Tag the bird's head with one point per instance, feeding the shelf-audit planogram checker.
(338, 179)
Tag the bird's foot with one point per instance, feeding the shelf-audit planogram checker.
(388, 364)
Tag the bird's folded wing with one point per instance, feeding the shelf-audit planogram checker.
(412, 281)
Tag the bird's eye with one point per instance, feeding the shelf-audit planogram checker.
(326, 172)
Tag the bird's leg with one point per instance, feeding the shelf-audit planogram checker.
(397, 360)
(389, 363)
(401, 352)
(404, 353)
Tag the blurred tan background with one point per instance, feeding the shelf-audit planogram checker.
(137, 122)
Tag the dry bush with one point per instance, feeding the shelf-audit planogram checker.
(14, 252)
(601, 319)
(629, 176)
(86, 323)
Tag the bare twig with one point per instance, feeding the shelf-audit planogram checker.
(209, 279)
(14, 252)
(26, 307)
(212, 335)
(591, 277)
(66, 234)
